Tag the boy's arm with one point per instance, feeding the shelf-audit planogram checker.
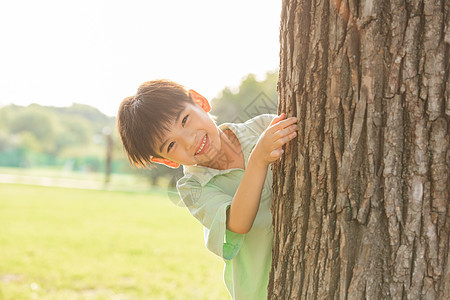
(245, 203)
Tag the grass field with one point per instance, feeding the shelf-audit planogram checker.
(60, 243)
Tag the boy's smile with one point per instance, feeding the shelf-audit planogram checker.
(203, 147)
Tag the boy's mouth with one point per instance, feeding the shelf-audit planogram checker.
(203, 146)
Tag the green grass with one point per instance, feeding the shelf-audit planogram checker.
(59, 243)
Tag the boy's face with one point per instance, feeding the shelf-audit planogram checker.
(192, 139)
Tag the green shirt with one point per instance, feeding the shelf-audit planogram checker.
(208, 193)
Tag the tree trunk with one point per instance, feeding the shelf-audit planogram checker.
(361, 197)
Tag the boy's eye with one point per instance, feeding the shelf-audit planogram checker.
(182, 123)
(184, 120)
(170, 146)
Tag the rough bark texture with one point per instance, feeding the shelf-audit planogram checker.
(361, 198)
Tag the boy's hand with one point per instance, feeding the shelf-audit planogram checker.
(269, 146)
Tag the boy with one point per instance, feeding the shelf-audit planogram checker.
(227, 183)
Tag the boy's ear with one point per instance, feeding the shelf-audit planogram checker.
(200, 100)
(167, 162)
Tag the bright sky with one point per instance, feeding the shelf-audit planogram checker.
(98, 52)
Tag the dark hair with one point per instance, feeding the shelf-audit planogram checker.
(144, 118)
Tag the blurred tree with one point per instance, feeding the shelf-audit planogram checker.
(96, 118)
(252, 98)
(27, 140)
(36, 122)
(51, 130)
(73, 131)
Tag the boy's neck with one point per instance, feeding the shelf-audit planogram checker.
(231, 155)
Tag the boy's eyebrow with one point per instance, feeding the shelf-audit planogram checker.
(176, 121)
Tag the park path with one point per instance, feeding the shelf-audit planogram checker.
(51, 181)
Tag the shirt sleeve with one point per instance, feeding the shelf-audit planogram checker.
(260, 123)
(209, 206)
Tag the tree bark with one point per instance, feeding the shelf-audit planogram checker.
(361, 197)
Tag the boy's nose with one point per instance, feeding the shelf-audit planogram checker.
(189, 139)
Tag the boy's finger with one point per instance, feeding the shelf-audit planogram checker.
(277, 119)
(277, 152)
(281, 124)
